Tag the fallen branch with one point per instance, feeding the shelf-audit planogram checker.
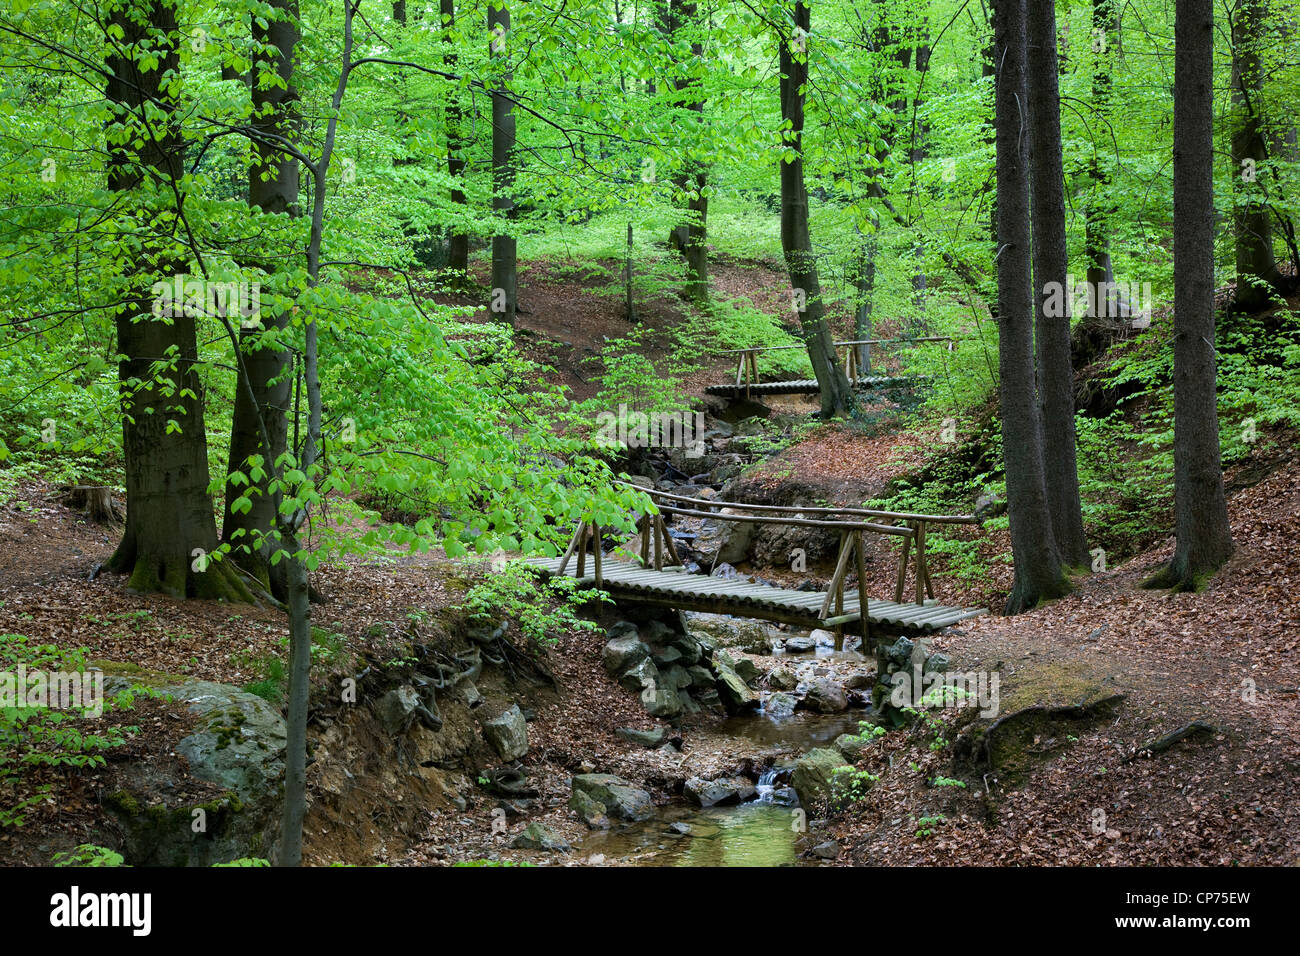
(1161, 744)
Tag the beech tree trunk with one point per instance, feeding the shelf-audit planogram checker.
(1039, 574)
(505, 274)
(690, 237)
(1258, 278)
(170, 525)
(1051, 263)
(458, 244)
(262, 407)
(1200, 508)
(836, 393)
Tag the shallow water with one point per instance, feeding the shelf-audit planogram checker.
(751, 834)
(758, 833)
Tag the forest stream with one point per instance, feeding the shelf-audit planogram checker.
(766, 830)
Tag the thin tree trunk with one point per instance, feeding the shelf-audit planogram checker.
(1039, 574)
(1201, 511)
(262, 407)
(1051, 263)
(505, 275)
(170, 528)
(865, 283)
(836, 393)
(1100, 209)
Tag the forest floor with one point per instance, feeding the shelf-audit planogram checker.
(1228, 655)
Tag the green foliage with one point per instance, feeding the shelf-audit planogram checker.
(492, 863)
(1125, 481)
(926, 825)
(88, 854)
(33, 736)
(542, 609)
(848, 786)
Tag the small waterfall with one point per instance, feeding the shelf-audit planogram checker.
(766, 785)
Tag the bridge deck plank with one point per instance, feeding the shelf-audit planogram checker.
(750, 599)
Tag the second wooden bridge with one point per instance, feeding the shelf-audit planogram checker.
(748, 385)
(659, 578)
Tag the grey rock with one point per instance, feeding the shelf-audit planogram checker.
(620, 798)
(736, 695)
(623, 653)
(830, 850)
(852, 746)
(639, 676)
(721, 792)
(780, 704)
(590, 810)
(900, 652)
(657, 632)
(678, 677)
(537, 836)
(800, 645)
(689, 649)
(649, 739)
(782, 679)
(937, 663)
(666, 657)
(239, 745)
(826, 696)
(620, 630)
(813, 775)
(508, 733)
(700, 676)
(748, 671)
(396, 709)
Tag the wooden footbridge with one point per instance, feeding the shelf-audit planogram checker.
(658, 577)
(747, 384)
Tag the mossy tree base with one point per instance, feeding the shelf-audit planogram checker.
(1179, 577)
(1027, 595)
(175, 576)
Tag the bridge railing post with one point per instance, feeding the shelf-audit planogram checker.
(574, 543)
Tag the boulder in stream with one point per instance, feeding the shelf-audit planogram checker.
(813, 775)
(826, 696)
(621, 799)
(720, 792)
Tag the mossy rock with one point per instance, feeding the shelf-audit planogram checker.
(1042, 709)
(239, 746)
(201, 834)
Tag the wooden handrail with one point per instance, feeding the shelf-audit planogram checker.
(809, 509)
(778, 348)
(893, 529)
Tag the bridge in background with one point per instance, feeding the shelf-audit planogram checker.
(659, 578)
(747, 382)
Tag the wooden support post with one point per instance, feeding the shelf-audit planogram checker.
(837, 579)
(902, 566)
(597, 553)
(573, 543)
(865, 622)
(669, 546)
(920, 562)
(582, 552)
(659, 548)
(645, 540)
